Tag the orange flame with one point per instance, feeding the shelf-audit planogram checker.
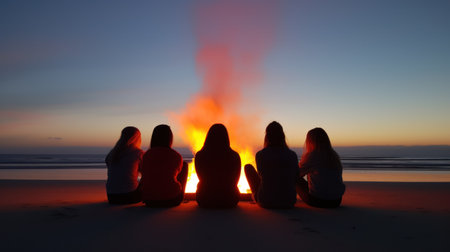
(197, 137)
(195, 130)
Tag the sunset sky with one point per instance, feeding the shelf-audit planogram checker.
(74, 73)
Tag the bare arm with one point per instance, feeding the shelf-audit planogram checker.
(304, 170)
(306, 165)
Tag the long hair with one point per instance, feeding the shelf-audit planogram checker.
(317, 140)
(275, 136)
(129, 137)
(162, 136)
(217, 138)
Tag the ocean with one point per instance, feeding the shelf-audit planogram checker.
(92, 167)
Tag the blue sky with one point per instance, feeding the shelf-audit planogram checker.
(74, 73)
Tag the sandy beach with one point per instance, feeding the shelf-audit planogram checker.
(74, 216)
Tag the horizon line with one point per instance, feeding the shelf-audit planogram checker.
(37, 150)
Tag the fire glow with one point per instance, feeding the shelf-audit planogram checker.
(200, 114)
(197, 137)
(233, 37)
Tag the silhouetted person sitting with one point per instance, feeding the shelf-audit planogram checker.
(218, 169)
(164, 174)
(273, 183)
(122, 162)
(321, 163)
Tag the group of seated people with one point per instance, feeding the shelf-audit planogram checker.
(275, 182)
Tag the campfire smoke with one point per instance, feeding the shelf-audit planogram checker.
(233, 38)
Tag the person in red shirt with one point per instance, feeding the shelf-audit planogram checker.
(164, 174)
(218, 169)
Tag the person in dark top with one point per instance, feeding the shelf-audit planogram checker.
(164, 174)
(323, 168)
(218, 168)
(273, 183)
(123, 164)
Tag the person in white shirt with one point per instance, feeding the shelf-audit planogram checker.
(323, 168)
(123, 163)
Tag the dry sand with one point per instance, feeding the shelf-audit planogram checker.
(74, 216)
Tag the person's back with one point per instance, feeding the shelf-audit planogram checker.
(325, 178)
(164, 174)
(273, 182)
(218, 175)
(218, 169)
(123, 167)
(278, 170)
(123, 172)
(160, 167)
(323, 168)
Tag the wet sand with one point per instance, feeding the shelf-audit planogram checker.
(74, 216)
